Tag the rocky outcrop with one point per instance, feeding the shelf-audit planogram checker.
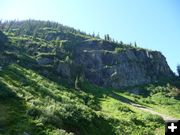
(100, 64)
(98, 61)
(129, 67)
(64, 70)
(64, 53)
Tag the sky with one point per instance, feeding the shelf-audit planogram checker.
(153, 24)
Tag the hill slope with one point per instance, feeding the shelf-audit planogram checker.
(50, 78)
(33, 104)
(72, 54)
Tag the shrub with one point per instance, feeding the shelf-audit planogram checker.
(118, 50)
(124, 108)
(34, 112)
(135, 120)
(53, 120)
(59, 132)
(153, 118)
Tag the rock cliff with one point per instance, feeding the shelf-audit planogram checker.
(105, 67)
(70, 55)
(98, 62)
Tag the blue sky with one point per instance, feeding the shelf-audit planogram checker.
(153, 24)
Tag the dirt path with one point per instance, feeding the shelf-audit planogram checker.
(140, 107)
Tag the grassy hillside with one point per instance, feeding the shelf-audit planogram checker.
(162, 97)
(31, 103)
(35, 100)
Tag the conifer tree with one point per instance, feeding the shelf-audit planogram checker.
(178, 70)
(135, 44)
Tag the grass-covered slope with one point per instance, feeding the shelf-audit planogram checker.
(163, 97)
(30, 103)
(39, 106)
(35, 99)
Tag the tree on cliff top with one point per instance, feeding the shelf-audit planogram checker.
(178, 70)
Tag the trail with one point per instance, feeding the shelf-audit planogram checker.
(146, 109)
(140, 107)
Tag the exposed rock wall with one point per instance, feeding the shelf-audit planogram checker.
(100, 64)
(96, 60)
(129, 67)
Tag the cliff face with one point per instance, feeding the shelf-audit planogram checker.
(99, 63)
(71, 55)
(128, 67)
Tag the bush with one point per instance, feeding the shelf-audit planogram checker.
(53, 120)
(147, 100)
(5, 92)
(124, 108)
(118, 50)
(153, 118)
(135, 120)
(34, 112)
(59, 132)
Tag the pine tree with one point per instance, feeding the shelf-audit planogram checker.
(108, 37)
(121, 43)
(178, 70)
(105, 37)
(93, 35)
(135, 44)
(98, 36)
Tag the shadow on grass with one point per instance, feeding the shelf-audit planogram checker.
(13, 119)
(102, 92)
(19, 80)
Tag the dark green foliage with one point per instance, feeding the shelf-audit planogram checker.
(107, 37)
(3, 40)
(5, 92)
(178, 70)
(135, 44)
(12, 112)
(34, 112)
